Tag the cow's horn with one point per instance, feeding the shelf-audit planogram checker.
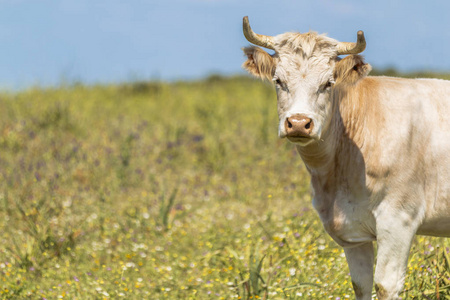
(257, 39)
(352, 48)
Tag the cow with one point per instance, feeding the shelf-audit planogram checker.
(377, 149)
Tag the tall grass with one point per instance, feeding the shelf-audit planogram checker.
(151, 190)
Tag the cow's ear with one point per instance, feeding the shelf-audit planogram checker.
(351, 69)
(259, 63)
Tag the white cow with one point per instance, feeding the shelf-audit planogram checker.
(377, 149)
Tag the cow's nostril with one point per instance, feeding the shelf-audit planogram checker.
(307, 126)
(289, 124)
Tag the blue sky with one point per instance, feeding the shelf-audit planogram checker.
(46, 42)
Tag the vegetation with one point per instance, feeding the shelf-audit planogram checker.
(151, 190)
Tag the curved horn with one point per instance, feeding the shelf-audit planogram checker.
(257, 39)
(352, 48)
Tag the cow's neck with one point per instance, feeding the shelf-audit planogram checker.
(337, 156)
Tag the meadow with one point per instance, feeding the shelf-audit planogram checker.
(154, 190)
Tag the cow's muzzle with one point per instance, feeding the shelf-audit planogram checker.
(298, 126)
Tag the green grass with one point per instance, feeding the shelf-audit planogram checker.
(152, 190)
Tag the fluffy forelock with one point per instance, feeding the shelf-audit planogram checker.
(307, 44)
(305, 53)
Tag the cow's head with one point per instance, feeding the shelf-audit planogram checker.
(304, 70)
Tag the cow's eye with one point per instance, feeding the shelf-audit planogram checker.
(282, 85)
(325, 87)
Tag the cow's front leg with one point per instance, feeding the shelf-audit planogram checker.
(360, 263)
(395, 234)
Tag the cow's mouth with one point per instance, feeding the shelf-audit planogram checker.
(300, 140)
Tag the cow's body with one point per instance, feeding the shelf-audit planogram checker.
(391, 151)
(377, 149)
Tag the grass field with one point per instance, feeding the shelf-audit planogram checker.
(151, 190)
